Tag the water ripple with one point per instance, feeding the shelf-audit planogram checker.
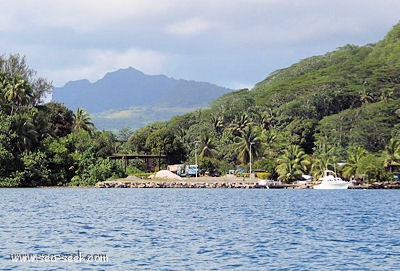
(203, 229)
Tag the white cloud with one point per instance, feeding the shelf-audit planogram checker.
(191, 26)
(236, 41)
(80, 15)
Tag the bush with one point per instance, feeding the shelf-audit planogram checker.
(34, 170)
(100, 170)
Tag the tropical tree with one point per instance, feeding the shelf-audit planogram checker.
(218, 123)
(386, 94)
(82, 121)
(240, 124)
(324, 156)
(269, 138)
(207, 145)
(17, 92)
(15, 65)
(25, 134)
(163, 141)
(268, 119)
(7, 155)
(371, 166)
(124, 134)
(392, 153)
(292, 163)
(249, 139)
(60, 119)
(354, 155)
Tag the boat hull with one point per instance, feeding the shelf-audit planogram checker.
(331, 181)
(342, 185)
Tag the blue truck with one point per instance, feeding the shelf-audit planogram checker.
(187, 170)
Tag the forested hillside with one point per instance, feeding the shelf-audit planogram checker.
(341, 106)
(353, 94)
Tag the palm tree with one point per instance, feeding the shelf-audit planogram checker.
(250, 136)
(266, 119)
(324, 157)
(208, 147)
(218, 123)
(82, 121)
(26, 135)
(18, 93)
(392, 153)
(239, 124)
(269, 137)
(354, 155)
(292, 163)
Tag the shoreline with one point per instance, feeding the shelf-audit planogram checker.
(209, 183)
(186, 184)
(219, 182)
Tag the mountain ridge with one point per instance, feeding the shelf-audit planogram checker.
(147, 90)
(127, 89)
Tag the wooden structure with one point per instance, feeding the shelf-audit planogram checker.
(146, 157)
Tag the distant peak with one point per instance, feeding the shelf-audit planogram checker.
(82, 82)
(123, 73)
(130, 69)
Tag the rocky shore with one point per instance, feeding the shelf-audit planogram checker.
(179, 184)
(200, 182)
(220, 182)
(167, 179)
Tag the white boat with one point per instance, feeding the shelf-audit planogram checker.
(331, 181)
(263, 183)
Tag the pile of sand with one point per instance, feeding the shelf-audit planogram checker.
(166, 174)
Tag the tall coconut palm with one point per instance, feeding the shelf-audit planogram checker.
(249, 137)
(292, 163)
(82, 121)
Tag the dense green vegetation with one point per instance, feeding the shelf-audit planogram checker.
(343, 106)
(46, 144)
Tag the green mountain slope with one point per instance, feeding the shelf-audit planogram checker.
(352, 78)
(349, 70)
(325, 105)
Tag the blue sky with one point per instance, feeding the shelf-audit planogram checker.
(232, 43)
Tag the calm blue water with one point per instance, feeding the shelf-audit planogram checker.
(202, 229)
